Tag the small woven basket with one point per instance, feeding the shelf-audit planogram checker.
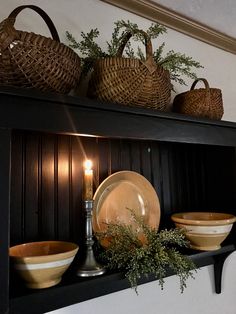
(130, 81)
(203, 102)
(29, 60)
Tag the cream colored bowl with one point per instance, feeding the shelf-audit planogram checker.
(41, 264)
(205, 230)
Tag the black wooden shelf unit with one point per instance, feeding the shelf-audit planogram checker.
(44, 139)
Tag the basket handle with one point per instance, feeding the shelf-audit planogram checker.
(200, 79)
(150, 63)
(148, 43)
(16, 11)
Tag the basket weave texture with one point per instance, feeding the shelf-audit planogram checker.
(203, 102)
(29, 60)
(130, 81)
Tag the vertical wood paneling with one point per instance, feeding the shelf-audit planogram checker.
(31, 209)
(5, 160)
(193, 182)
(47, 228)
(202, 172)
(125, 161)
(176, 181)
(47, 185)
(16, 213)
(187, 187)
(156, 170)
(171, 179)
(135, 156)
(220, 178)
(63, 218)
(145, 155)
(76, 190)
(103, 160)
(115, 157)
(197, 169)
(165, 186)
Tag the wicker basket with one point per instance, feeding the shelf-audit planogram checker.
(203, 102)
(130, 81)
(28, 60)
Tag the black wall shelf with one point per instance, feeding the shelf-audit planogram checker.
(74, 290)
(34, 127)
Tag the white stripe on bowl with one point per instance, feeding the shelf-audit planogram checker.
(207, 229)
(44, 265)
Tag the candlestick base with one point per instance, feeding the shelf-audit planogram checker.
(90, 273)
(89, 266)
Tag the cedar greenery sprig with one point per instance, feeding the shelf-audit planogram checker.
(176, 63)
(89, 49)
(138, 250)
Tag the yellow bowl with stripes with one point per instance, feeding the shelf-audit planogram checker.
(42, 264)
(205, 230)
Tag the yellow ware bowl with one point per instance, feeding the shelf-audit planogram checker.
(205, 230)
(41, 264)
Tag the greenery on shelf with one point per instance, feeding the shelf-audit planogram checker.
(178, 64)
(140, 251)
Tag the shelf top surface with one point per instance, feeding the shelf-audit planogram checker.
(81, 102)
(36, 111)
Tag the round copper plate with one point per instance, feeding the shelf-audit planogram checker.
(120, 192)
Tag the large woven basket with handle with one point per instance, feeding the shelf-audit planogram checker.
(203, 102)
(130, 81)
(29, 60)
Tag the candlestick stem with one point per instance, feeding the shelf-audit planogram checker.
(89, 266)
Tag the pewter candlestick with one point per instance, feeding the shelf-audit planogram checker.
(89, 266)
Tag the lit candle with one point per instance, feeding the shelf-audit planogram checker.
(88, 180)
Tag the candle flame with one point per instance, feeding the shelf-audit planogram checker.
(88, 164)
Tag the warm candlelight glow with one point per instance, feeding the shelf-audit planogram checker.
(88, 165)
(88, 180)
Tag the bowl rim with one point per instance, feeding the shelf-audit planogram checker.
(74, 247)
(178, 217)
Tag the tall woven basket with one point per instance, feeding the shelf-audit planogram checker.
(203, 102)
(29, 60)
(130, 81)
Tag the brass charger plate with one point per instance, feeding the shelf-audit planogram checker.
(121, 191)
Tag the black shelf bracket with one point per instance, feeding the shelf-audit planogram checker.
(219, 261)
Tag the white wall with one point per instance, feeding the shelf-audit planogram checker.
(197, 298)
(220, 69)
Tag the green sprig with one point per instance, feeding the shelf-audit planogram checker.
(88, 48)
(139, 250)
(176, 63)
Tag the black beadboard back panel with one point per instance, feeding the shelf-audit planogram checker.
(47, 169)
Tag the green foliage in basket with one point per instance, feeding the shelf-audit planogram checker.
(141, 251)
(176, 63)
